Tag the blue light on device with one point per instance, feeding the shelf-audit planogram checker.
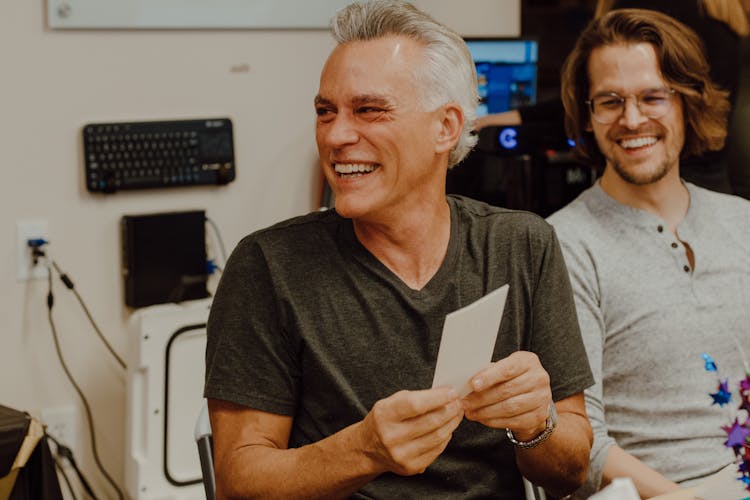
(508, 138)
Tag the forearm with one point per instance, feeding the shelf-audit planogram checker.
(560, 463)
(403, 433)
(334, 467)
(648, 482)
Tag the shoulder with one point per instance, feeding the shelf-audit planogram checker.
(721, 200)
(731, 210)
(580, 217)
(484, 217)
(309, 226)
(301, 235)
(587, 229)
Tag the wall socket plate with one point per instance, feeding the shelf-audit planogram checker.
(62, 424)
(25, 231)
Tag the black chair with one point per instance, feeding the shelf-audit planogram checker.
(204, 440)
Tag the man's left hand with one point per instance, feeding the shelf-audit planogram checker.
(512, 393)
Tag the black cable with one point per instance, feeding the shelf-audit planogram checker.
(65, 477)
(219, 239)
(69, 284)
(37, 253)
(67, 453)
(89, 416)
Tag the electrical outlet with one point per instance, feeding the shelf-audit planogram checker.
(62, 424)
(25, 231)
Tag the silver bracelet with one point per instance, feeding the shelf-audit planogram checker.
(550, 425)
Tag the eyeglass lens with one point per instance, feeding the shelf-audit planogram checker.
(652, 103)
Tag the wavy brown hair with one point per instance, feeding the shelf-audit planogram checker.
(683, 65)
(730, 12)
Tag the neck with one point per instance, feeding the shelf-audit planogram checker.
(412, 245)
(667, 198)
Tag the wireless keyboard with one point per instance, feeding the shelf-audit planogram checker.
(158, 154)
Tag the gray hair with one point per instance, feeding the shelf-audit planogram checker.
(448, 74)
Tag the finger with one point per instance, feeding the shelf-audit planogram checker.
(413, 457)
(505, 369)
(527, 424)
(422, 425)
(435, 419)
(439, 436)
(533, 405)
(410, 404)
(532, 382)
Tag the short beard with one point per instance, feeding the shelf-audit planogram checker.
(637, 180)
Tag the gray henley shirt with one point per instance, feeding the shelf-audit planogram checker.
(647, 316)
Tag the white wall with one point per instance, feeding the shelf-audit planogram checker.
(52, 82)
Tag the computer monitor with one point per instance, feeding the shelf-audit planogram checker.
(525, 167)
(506, 72)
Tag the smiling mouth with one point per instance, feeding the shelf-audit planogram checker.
(350, 170)
(638, 142)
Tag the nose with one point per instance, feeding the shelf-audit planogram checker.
(631, 113)
(338, 132)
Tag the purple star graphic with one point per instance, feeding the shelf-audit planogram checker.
(736, 434)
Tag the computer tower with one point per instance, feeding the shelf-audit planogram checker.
(164, 257)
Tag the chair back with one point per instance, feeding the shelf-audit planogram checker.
(204, 440)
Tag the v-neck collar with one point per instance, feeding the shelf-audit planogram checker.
(436, 282)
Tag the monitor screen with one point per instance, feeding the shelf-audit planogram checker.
(506, 72)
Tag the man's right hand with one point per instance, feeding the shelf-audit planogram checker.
(405, 432)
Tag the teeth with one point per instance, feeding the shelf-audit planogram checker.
(638, 142)
(353, 168)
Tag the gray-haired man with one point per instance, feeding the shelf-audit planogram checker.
(324, 332)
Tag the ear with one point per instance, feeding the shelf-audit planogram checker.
(589, 128)
(450, 126)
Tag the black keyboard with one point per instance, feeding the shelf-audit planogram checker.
(158, 154)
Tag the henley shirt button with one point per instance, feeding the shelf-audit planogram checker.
(660, 228)
(686, 268)
(674, 245)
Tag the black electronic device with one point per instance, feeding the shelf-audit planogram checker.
(164, 257)
(529, 167)
(158, 154)
(532, 138)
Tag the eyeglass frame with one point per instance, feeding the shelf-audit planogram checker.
(623, 102)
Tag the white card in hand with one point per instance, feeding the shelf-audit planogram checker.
(469, 336)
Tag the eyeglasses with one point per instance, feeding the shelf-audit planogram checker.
(652, 103)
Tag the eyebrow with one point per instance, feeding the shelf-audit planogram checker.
(371, 99)
(358, 100)
(610, 92)
(319, 100)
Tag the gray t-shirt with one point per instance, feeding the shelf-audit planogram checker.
(306, 322)
(647, 317)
